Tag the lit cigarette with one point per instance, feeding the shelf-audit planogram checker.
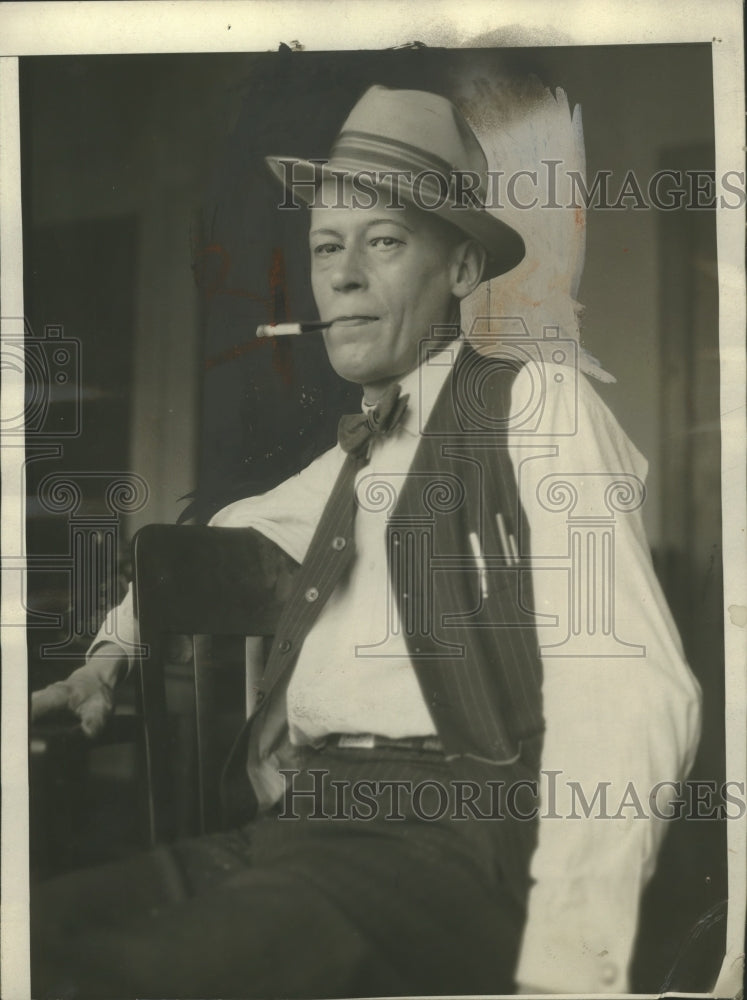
(290, 329)
(480, 560)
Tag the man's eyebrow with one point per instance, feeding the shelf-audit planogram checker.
(392, 222)
(372, 222)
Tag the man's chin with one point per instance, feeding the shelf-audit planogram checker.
(352, 373)
(351, 368)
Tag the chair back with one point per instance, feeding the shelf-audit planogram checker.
(203, 583)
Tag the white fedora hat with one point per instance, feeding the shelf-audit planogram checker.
(438, 162)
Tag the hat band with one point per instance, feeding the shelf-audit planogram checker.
(434, 180)
(377, 149)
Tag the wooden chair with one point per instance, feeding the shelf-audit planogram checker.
(207, 584)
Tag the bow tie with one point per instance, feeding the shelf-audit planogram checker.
(356, 430)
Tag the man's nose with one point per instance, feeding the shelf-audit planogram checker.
(350, 272)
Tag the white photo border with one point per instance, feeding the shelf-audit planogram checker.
(151, 26)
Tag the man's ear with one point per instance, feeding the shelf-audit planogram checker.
(468, 268)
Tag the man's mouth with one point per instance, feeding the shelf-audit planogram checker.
(356, 320)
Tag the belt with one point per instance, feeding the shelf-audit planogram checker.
(372, 741)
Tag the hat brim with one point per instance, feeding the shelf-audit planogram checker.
(503, 245)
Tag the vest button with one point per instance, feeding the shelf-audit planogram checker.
(311, 594)
(260, 697)
(339, 543)
(284, 646)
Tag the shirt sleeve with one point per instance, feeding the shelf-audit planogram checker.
(287, 515)
(119, 627)
(621, 706)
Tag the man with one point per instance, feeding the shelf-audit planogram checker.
(411, 654)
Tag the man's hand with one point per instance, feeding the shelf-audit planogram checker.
(88, 693)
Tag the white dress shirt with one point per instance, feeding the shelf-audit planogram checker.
(621, 706)
(354, 674)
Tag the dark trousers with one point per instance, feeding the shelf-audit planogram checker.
(380, 901)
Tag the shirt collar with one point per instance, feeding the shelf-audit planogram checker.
(423, 384)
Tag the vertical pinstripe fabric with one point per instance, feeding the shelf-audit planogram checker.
(330, 554)
(476, 654)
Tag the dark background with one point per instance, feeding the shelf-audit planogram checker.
(152, 239)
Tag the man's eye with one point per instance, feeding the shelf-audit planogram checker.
(386, 242)
(326, 249)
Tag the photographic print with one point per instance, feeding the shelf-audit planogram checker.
(373, 500)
